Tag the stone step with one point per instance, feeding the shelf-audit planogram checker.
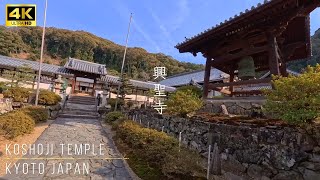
(82, 102)
(82, 98)
(78, 116)
(78, 112)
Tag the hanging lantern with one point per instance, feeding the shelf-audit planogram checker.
(246, 69)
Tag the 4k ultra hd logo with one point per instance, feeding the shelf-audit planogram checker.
(21, 15)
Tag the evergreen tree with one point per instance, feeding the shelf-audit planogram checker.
(125, 86)
(22, 76)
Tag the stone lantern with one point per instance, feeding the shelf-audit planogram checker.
(105, 94)
(57, 84)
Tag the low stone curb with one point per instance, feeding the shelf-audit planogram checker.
(107, 129)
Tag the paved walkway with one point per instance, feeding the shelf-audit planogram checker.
(85, 163)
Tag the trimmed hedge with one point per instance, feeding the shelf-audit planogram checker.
(183, 102)
(114, 116)
(37, 113)
(22, 121)
(16, 123)
(152, 151)
(19, 94)
(47, 97)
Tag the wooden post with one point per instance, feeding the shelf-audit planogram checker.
(206, 78)
(34, 81)
(283, 69)
(231, 80)
(94, 86)
(273, 55)
(215, 161)
(73, 84)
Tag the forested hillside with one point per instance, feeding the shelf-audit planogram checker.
(315, 59)
(60, 44)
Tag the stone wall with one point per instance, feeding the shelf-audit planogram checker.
(234, 106)
(248, 151)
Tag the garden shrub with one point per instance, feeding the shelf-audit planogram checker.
(114, 116)
(37, 113)
(19, 94)
(183, 102)
(197, 91)
(3, 87)
(112, 103)
(295, 99)
(48, 98)
(16, 123)
(130, 104)
(159, 151)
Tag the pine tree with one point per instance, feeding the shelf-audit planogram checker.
(125, 86)
(22, 76)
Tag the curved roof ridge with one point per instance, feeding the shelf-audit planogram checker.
(70, 58)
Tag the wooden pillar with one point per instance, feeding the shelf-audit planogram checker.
(231, 80)
(94, 86)
(283, 69)
(273, 55)
(206, 78)
(73, 85)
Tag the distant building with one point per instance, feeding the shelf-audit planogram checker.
(196, 78)
(82, 76)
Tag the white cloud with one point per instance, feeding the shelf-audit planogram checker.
(181, 14)
(123, 10)
(145, 35)
(162, 27)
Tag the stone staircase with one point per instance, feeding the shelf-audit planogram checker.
(80, 107)
(87, 100)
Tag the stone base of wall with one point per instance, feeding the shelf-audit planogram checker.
(248, 151)
(237, 106)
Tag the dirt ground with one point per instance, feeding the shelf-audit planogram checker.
(25, 139)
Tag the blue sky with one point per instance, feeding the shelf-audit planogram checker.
(157, 25)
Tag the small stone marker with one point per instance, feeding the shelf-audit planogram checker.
(216, 163)
(224, 109)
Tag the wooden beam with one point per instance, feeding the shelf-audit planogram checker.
(273, 55)
(248, 92)
(247, 82)
(245, 52)
(206, 78)
(224, 91)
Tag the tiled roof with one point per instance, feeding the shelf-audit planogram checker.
(236, 17)
(34, 65)
(197, 76)
(85, 66)
(135, 83)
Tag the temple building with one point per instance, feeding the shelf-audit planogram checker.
(262, 39)
(81, 76)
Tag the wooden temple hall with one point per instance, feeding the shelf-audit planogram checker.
(262, 39)
(80, 76)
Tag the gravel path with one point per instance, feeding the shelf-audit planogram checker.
(80, 149)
